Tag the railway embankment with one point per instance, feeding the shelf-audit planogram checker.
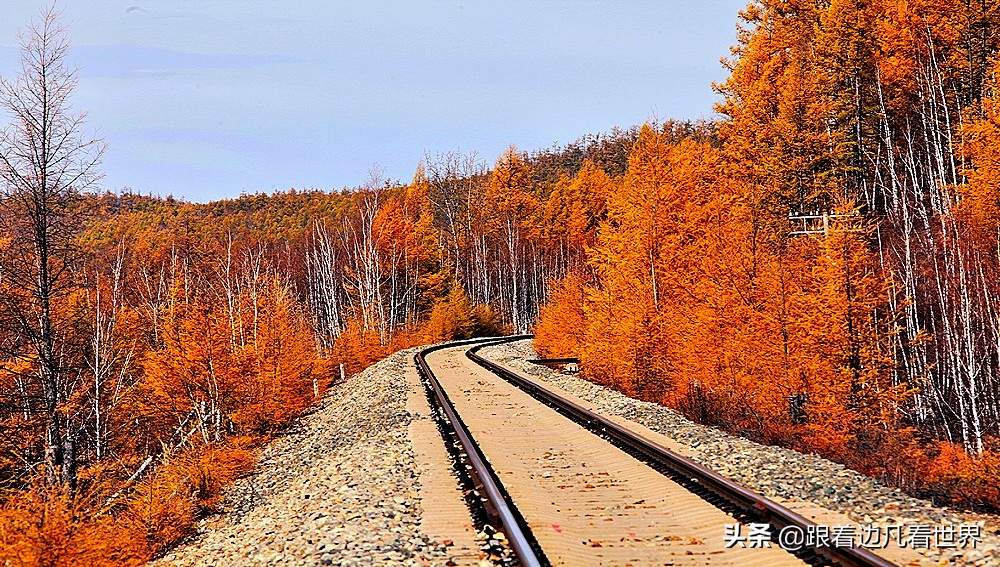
(365, 480)
(823, 490)
(346, 486)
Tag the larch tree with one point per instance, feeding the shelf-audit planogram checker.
(46, 161)
(779, 114)
(512, 205)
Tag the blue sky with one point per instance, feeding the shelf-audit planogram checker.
(208, 99)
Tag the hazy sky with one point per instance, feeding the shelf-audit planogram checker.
(207, 99)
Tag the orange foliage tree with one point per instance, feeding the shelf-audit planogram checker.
(703, 303)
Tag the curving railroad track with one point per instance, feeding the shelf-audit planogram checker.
(570, 487)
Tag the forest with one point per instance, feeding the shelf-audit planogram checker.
(817, 268)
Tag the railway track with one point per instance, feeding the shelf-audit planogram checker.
(570, 487)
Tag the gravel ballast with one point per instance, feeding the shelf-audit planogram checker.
(343, 486)
(339, 489)
(777, 473)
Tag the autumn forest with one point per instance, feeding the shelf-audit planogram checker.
(817, 269)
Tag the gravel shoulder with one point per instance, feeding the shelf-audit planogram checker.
(343, 487)
(825, 489)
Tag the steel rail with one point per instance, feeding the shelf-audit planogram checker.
(740, 497)
(497, 503)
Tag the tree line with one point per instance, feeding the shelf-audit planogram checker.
(822, 273)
